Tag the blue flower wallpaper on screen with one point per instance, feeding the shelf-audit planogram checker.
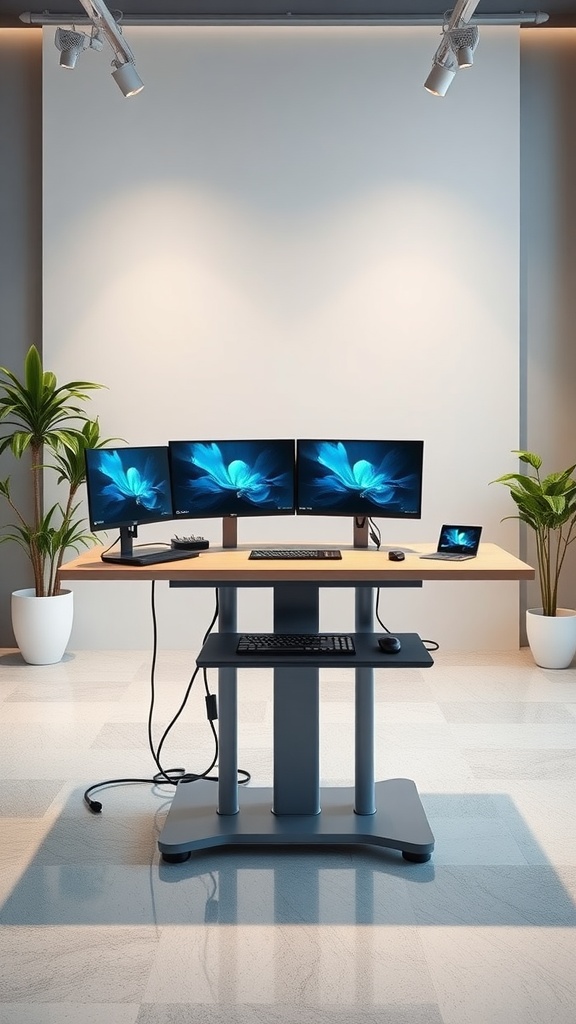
(460, 538)
(360, 478)
(232, 478)
(128, 485)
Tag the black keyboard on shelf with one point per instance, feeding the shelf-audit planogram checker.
(295, 643)
(294, 553)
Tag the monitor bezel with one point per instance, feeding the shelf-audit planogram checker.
(124, 522)
(249, 513)
(361, 514)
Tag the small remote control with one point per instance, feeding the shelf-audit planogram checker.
(190, 543)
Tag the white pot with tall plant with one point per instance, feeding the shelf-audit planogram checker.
(41, 421)
(547, 504)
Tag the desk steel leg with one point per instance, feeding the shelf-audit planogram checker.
(296, 708)
(364, 793)
(227, 712)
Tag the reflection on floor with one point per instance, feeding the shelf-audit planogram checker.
(93, 928)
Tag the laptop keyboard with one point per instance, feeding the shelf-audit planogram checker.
(448, 556)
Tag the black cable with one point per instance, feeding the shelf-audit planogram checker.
(115, 541)
(169, 776)
(430, 645)
(95, 806)
(157, 543)
(182, 775)
(172, 775)
(375, 534)
(212, 715)
(376, 612)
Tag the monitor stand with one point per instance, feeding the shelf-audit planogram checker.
(229, 532)
(144, 554)
(360, 531)
(362, 536)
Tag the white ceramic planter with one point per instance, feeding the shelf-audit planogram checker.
(552, 638)
(42, 625)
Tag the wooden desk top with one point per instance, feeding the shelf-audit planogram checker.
(358, 566)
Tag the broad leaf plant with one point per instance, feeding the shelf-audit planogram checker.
(547, 504)
(46, 423)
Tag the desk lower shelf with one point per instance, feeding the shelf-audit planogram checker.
(399, 822)
(219, 651)
(296, 810)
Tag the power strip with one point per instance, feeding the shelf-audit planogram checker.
(189, 543)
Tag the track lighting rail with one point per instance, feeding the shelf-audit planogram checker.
(287, 18)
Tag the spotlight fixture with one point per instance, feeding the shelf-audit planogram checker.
(70, 44)
(444, 68)
(127, 78)
(124, 73)
(456, 50)
(463, 42)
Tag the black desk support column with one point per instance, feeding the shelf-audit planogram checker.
(296, 708)
(228, 690)
(227, 711)
(364, 792)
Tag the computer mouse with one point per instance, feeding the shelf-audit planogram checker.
(390, 644)
(396, 556)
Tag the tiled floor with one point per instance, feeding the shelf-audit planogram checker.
(95, 929)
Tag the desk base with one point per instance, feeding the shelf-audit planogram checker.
(194, 824)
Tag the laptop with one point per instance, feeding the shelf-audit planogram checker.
(457, 543)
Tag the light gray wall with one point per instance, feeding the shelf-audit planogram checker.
(548, 264)
(548, 215)
(20, 254)
(281, 237)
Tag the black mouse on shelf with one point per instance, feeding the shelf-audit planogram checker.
(389, 644)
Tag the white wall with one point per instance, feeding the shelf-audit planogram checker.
(548, 258)
(285, 235)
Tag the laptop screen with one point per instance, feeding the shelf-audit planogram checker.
(461, 540)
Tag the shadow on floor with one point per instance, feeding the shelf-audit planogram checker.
(105, 869)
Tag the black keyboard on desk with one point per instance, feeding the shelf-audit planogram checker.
(295, 643)
(294, 553)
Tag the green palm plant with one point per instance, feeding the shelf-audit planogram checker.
(548, 506)
(39, 419)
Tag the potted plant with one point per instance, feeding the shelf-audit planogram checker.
(42, 421)
(547, 504)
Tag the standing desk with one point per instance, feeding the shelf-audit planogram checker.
(296, 810)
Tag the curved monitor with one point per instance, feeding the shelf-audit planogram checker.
(232, 478)
(374, 479)
(127, 486)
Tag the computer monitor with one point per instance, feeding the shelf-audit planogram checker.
(363, 479)
(127, 488)
(232, 478)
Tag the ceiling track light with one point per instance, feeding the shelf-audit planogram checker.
(124, 74)
(71, 43)
(456, 50)
(459, 40)
(288, 18)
